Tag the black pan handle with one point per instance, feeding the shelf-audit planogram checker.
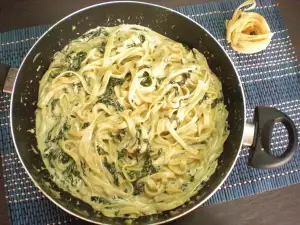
(7, 77)
(260, 154)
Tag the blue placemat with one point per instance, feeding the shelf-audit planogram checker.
(270, 78)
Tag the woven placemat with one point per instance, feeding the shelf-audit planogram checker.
(269, 78)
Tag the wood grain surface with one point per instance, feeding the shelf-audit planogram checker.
(281, 206)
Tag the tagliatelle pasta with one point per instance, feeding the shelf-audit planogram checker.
(248, 32)
(130, 121)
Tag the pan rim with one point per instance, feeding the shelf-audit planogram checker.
(142, 3)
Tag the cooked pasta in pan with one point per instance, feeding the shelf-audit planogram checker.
(130, 121)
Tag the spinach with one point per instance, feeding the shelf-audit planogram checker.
(56, 154)
(135, 174)
(147, 81)
(72, 173)
(95, 33)
(217, 101)
(101, 151)
(185, 77)
(128, 76)
(138, 188)
(112, 169)
(148, 168)
(203, 99)
(192, 178)
(53, 104)
(60, 135)
(121, 134)
(122, 153)
(85, 125)
(187, 46)
(66, 126)
(131, 45)
(115, 82)
(83, 166)
(134, 28)
(109, 97)
(76, 60)
(108, 101)
(54, 74)
(101, 48)
(62, 132)
(100, 200)
(183, 186)
(142, 38)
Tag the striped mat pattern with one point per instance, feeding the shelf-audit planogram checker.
(270, 78)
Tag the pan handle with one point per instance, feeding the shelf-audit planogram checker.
(259, 134)
(8, 75)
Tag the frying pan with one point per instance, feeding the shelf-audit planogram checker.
(177, 27)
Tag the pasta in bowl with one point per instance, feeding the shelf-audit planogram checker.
(130, 121)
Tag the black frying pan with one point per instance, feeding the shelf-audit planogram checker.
(177, 27)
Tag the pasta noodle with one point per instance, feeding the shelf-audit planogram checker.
(130, 121)
(248, 32)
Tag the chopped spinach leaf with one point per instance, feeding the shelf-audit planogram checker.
(122, 153)
(85, 125)
(131, 45)
(83, 166)
(134, 174)
(101, 151)
(187, 46)
(183, 186)
(72, 173)
(186, 76)
(147, 81)
(54, 74)
(121, 134)
(56, 154)
(109, 97)
(99, 199)
(148, 168)
(142, 38)
(138, 188)
(217, 101)
(101, 49)
(53, 104)
(112, 169)
(76, 60)
(192, 178)
(95, 33)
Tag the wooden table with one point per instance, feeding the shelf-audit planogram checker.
(281, 206)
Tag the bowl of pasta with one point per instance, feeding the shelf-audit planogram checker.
(134, 116)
